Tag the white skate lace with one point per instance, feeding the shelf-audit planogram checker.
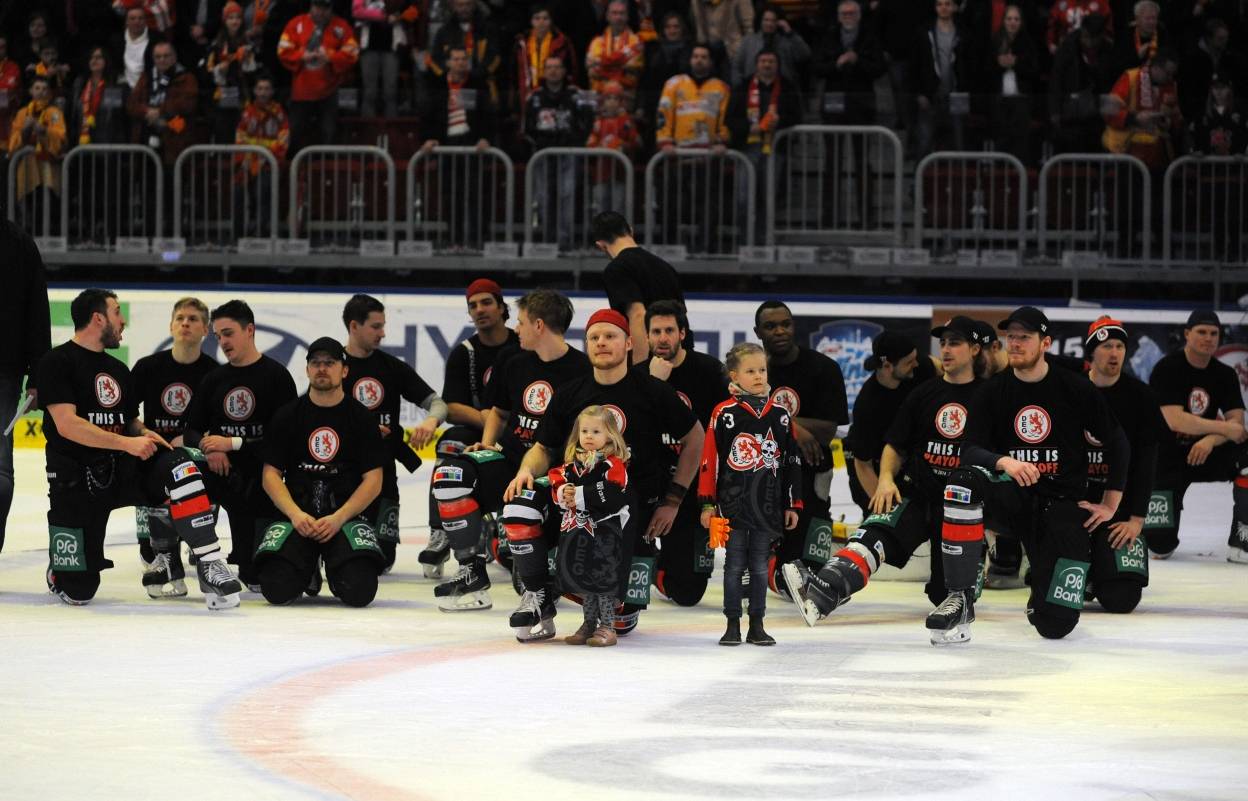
(160, 564)
(218, 573)
(532, 601)
(951, 605)
(438, 541)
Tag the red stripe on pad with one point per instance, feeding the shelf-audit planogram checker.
(858, 562)
(194, 505)
(519, 532)
(457, 508)
(954, 532)
(1241, 482)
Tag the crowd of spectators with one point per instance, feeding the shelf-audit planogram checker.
(1082, 75)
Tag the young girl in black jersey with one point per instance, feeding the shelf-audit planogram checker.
(591, 490)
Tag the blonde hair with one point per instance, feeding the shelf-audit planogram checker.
(193, 302)
(732, 360)
(615, 438)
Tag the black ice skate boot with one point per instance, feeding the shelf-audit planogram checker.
(468, 591)
(533, 619)
(951, 622)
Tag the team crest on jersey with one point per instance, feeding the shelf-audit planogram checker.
(748, 453)
(239, 403)
(684, 399)
(107, 390)
(1198, 401)
(951, 420)
(176, 398)
(369, 392)
(537, 397)
(1032, 424)
(1091, 440)
(621, 419)
(323, 444)
(786, 398)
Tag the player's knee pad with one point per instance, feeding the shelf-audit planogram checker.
(1052, 626)
(281, 581)
(190, 508)
(683, 588)
(962, 528)
(1239, 518)
(626, 618)
(1119, 597)
(454, 481)
(354, 582)
(522, 520)
(1162, 541)
(79, 588)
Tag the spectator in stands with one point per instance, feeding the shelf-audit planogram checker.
(581, 20)
(159, 15)
(383, 29)
(647, 17)
(775, 34)
(134, 48)
(614, 129)
(762, 105)
(722, 24)
(899, 24)
(1015, 75)
(41, 125)
(468, 29)
(807, 17)
(1211, 54)
(10, 88)
(51, 67)
(1066, 16)
(944, 70)
(557, 116)
(1221, 129)
(263, 123)
(231, 61)
(665, 58)
(1080, 75)
(849, 62)
(1142, 116)
(319, 49)
(616, 55)
(37, 36)
(162, 104)
(97, 104)
(543, 40)
(1138, 44)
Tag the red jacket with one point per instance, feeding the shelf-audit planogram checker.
(317, 83)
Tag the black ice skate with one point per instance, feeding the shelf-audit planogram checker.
(468, 591)
(813, 595)
(221, 588)
(435, 554)
(951, 622)
(165, 577)
(533, 619)
(1237, 544)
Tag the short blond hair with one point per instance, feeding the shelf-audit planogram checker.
(615, 438)
(190, 300)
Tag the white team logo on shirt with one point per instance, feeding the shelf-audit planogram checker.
(369, 392)
(107, 390)
(684, 398)
(239, 403)
(621, 419)
(1198, 401)
(1032, 424)
(175, 398)
(951, 420)
(787, 398)
(537, 397)
(323, 444)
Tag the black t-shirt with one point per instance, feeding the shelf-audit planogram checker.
(1135, 407)
(700, 382)
(651, 417)
(638, 276)
(928, 429)
(98, 385)
(333, 446)
(378, 382)
(239, 402)
(874, 410)
(469, 368)
(1203, 392)
(165, 388)
(1042, 423)
(525, 387)
(810, 386)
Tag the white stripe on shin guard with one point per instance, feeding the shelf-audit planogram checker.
(450, 493)
(192, 488)
(873, 562)
(969, 514)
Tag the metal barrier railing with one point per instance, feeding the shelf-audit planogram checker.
(1095, 203)
(829, 184)
(112, 196)
(564, 187)
(1205, 210)
(454, 196)
(702, 200)
(970, 201)
(342, 196)
(31, 186)
(224, 193)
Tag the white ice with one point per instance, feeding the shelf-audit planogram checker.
(130, 699)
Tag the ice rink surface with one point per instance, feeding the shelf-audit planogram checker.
(130, 698)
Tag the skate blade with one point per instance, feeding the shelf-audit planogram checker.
(955, 636)
(472, 602)
(217, 602)
(793, 580)
(1237, 556)
(432, 571)
(534, 634)
(171, 589)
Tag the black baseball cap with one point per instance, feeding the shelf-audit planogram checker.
(327, 345)
(1029, 317)
(986, 333)
(961, 325)
(1203, 317)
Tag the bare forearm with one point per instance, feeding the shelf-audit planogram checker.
(461, 414)
(537, 460)
(495, 419)
(890, 462)
(866, 476)
(1182, 422)
(822, 430)
(79, 430)
(276, 489)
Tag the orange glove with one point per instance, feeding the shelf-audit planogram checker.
(719, 531)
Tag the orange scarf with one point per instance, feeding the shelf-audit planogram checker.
(537, 57)
(767, 121)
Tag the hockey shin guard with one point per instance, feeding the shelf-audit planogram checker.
(961, 535)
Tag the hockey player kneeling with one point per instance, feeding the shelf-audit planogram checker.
(323, 471)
